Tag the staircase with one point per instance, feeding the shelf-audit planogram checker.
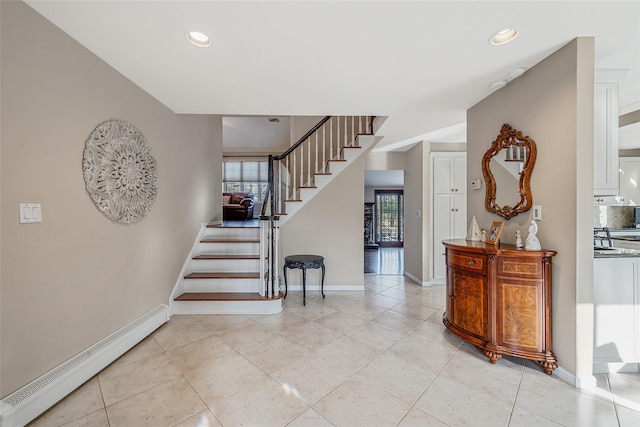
(224, 273)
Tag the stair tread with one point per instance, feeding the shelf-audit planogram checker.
(216, 256)
(221, 275)
(307, 186)
(218, 225)
(215, 240)
(225, 296)
(322, 173)
(293, 200)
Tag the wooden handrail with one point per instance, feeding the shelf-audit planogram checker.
(301, 140)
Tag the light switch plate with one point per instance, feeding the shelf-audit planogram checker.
(537, 212)
(30, 213)
(476, 184)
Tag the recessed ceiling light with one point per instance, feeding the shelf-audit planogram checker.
(198, 38)
(498, 84)
(504, 36)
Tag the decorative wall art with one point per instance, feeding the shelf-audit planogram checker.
(119, 172)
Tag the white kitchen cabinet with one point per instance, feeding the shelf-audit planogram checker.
(605, 132)
(449, 196)
(616, 315)
(630, 180)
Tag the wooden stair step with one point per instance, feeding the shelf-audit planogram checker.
(218, 225)
(210, 240)
(228, 257)
(215, 275)
(225, 296)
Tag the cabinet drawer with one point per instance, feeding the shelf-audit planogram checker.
(467, 261)
(520, 267)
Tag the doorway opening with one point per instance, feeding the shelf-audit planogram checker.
(389, 218)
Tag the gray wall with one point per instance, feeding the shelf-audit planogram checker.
(553, 104)
(75, 278)
(332, 225)
(416, 197)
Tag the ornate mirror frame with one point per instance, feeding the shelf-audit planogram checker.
(509, 137)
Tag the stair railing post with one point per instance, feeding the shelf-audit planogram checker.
(263, 260)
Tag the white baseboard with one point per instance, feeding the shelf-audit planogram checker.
(577, 382)
(178, 289)
(33, 399)
(415, 279)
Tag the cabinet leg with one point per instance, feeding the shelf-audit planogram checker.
(493, 356)
(548, 366)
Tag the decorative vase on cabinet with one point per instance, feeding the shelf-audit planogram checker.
(499, 299)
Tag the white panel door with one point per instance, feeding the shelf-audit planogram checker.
(442, 225)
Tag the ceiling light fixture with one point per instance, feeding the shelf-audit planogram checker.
(504, 36)
(515, 73)
(199, 39)
(498, 84)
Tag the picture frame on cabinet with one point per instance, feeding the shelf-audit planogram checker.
(494, 232)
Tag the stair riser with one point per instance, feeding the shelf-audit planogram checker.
(227, 307)
(225, 265)
(221, 285)
(228, 248)
(233, 233)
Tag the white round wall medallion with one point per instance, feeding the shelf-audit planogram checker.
(119, 172)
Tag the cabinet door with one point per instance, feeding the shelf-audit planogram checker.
(442, 225)
(450, 173)
(442, 174)
(605, 135)
(467, 302)
(630, 180)
(459, 213)
(615, 310)
(460, 173)
(520, 314)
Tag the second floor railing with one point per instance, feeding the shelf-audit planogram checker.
(297, 168)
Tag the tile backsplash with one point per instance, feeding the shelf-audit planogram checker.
(613, 216)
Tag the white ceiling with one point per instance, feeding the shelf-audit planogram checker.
(421, 63)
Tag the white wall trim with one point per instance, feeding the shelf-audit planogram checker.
(178, 288)
(25, 404)
(577, 382)
(415, 279)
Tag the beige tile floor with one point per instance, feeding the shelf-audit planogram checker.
(376, 358)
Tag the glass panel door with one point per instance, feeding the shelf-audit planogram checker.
(389, 218)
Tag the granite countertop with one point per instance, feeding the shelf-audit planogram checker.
(629, 238)
(615, 253)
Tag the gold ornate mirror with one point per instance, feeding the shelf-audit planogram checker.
(507, 168)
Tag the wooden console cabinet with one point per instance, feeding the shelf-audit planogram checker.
(499, 299)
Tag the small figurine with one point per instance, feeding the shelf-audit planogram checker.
(474, 231)
(518, 239)
(532, 240)
(483, 235)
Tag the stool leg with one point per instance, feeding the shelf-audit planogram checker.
(304, 286)
(284, 273)
(322, 282)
